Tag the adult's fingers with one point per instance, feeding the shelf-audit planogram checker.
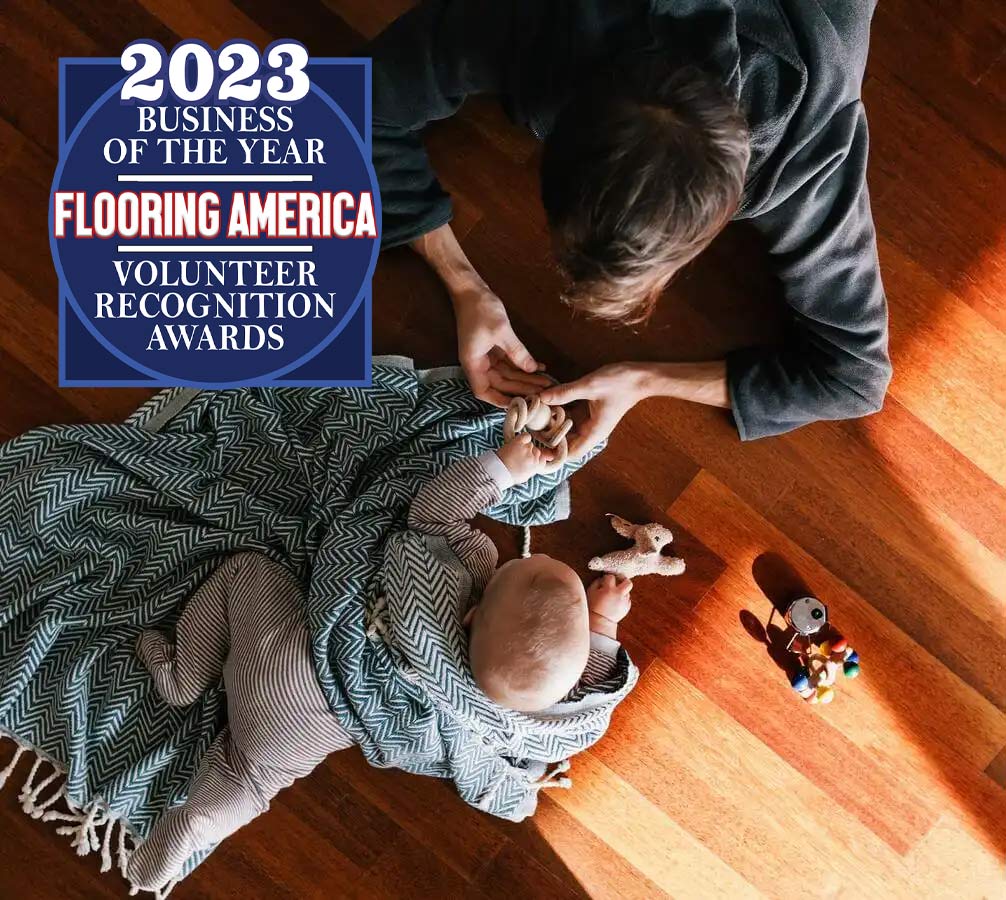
(558, 394)
(518, 353)
(476, 371)
(501, 363)
(491, 395)
(515, 387)
(587, 436)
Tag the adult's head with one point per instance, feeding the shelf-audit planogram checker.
(643, 167)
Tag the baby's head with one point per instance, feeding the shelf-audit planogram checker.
(529, 637)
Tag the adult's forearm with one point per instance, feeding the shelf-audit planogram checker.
(699, 382)
(443, 253)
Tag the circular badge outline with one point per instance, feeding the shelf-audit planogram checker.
(258, 380)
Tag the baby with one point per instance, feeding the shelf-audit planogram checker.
(538, 643)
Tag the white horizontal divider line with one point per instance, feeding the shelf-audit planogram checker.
(202, 178)
(216, 248)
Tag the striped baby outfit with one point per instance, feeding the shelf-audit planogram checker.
(245, 624)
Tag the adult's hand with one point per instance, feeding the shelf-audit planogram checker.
(497, 364)
(613, 390)
(610, 392)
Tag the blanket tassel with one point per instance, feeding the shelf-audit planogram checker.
(5, 773)
(82, 824)
(30, 793)
(555, 778)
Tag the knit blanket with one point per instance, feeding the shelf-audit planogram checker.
(429, 715)
(107, 529)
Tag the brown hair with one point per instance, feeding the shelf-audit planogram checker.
(641, 170)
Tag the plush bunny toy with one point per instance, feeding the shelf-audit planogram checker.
(644, 557)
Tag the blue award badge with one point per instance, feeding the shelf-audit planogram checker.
(215, 218)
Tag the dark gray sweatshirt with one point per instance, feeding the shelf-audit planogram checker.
(796, 69)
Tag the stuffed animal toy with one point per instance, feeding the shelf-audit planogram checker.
(548, 425)
(644, 557)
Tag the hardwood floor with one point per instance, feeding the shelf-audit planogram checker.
(714, 781)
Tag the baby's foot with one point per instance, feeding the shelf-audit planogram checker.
(160, 858)
(157, 653)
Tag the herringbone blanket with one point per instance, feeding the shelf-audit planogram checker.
(106, 529)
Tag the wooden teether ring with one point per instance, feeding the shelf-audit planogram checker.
(516, 418)
(547, 425)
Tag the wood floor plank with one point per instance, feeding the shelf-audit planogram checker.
(339, 815)
(24, 183)
(29, 400)
(37, 862)
(213, 21)
(714, 771)
(114, 23)
(951, 385)
(891, 540)
(415, 871)
(996, 770)
(513, 873)
(575, 853)
(370, 18)
(427, 809)
(937, 211)
(947, 708)
(935, 474)
(309, 21)
(283, 847)
(31, 28)
(755, 692)
(908, 712)
(967, 52)
(963, 623)
(30, 336)
(677, 861)
(950, 864)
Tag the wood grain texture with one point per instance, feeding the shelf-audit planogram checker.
(714, 781)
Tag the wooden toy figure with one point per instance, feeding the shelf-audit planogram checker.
(814, 679)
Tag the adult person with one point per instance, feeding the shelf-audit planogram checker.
(661, 121)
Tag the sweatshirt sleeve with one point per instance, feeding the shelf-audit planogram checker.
(444, 506)
(424, 66)
(605, 672)
(834, 363)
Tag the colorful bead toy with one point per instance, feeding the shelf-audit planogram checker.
(814, 678)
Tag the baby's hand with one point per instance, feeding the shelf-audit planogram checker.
(523, 458)
(609, 597)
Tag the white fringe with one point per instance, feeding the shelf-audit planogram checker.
(554, 777)
(29, 795)
(84, 823)
(11, 766)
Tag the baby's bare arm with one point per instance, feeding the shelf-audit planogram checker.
(609, 601)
